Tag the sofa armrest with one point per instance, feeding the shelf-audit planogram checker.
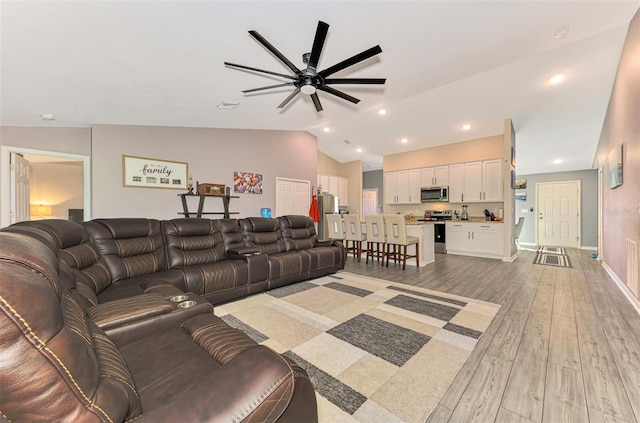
(127, 310)
(237, 253)
(327, 243)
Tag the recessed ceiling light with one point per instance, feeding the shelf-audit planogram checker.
(225, 105)
(466, 127)
(557, 161)
(562, 32)
(382, 112)
(404, 140)
(47, 116)
(327, 129)
(556, 79)
(359, 150)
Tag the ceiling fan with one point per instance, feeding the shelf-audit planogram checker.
(309, 80)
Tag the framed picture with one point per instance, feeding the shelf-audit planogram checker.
(521, 195)
(615, 166)
(521, 184)
(143, 172)
(247, 183)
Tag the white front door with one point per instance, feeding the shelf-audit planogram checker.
(292, 197)
(558, 208)
(19, 186)
(370, 201)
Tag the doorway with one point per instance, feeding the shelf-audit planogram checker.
(370, 201)
(558, 221)
(48, 198)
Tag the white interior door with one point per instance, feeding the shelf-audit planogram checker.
(370, 201)
(558, 213)
(19, 187)
(292, 197)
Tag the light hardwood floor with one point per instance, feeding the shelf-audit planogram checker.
(564, 347)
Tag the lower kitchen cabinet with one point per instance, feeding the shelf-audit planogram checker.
(475, 239)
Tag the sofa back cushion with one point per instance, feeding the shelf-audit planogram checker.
(193, 241)
(51, 355)
(231, 233)
(298, 232)
(262, 233)
(72, 245)
(130, 247)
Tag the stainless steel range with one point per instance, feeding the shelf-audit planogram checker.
(439, 229)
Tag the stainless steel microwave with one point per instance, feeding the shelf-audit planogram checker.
(434, 194)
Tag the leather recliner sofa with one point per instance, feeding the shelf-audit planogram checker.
(116, 279)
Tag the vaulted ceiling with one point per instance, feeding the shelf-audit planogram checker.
(447, 64)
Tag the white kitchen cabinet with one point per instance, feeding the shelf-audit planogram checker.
(492, 187)
(475, 239)
(402, 187)
(473, 182)
(415, 184)
(391, 187)
(336, 185)
(434, 176)
(476, 182)
(343, 191)
(456, 183)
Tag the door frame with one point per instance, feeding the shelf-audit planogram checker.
(4, 178)
(377, 199)
(579, 207)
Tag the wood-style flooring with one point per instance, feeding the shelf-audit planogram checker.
(564, 347)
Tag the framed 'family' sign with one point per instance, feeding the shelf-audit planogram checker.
(144, 172)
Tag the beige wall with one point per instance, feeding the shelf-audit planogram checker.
(212, 154)
(465, 151)
(621, 206)
(350, 170)
(58, 140)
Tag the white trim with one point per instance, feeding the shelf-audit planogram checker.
(588, 248)
(510, 259)
(4, 178)
(623, 287)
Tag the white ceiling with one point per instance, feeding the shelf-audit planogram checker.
(446, 64)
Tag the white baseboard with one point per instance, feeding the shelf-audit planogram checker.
(586, 247)
(621, 285)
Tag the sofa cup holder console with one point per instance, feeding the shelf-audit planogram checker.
(179, 298)
(187, 304)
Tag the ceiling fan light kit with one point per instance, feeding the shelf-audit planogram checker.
(309, 81)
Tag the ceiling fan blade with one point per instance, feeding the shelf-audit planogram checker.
(266, 88)
(318, 43)
(233, 65)
(316, 102)
(339, 94)
(373, 81)
(274, 51)
(351, 61)
(289, 98)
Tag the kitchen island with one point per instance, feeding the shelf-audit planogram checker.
(425, 233)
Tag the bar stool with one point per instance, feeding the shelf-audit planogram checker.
(397, 237)
(353, 232)
(335, 226)
(376, 239)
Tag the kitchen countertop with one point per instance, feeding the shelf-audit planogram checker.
(476, 220)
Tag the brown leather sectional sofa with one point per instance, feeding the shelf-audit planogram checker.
(112, 320)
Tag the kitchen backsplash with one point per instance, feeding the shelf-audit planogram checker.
(475, 209)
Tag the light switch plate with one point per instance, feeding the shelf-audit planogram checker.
(524, 211)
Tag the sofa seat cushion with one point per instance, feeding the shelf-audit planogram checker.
(139, 285)
(288, 267)
(242, 380)
(325, 257)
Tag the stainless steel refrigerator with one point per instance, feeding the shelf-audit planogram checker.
(327, 204)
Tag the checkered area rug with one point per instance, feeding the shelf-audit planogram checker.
(375, 351)
(552, 256)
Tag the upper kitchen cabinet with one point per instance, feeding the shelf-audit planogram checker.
(402, 187)
(476, 182)
(337, 186)
(435, 176)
